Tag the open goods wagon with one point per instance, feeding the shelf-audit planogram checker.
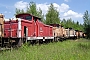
(70, 33)
(58, 32)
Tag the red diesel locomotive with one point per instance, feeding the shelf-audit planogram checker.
(26, 27)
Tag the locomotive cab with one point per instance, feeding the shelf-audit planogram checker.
(27, 16)
(24, 16)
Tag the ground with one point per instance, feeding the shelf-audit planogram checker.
(67, 50)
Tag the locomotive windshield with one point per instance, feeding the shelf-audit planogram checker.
(28, 18)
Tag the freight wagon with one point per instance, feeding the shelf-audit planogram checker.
(72, 34)
(81, 34)
(58, 32)
(77, 34)
(66, 34)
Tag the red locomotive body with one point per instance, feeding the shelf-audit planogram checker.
(18, 28)
(10, 28)
(27, 26)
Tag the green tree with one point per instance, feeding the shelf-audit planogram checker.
(18, 11)
(41, 15)
(52, 16)
(77, 23)
(32, 9)
(86, 18)
(22, 11)
(63, 22)
(69, 23)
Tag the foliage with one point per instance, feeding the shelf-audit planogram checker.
(67, 50)
(18, 11)
(69, 23)
(41, 15)
(32, 9)
(52, 16)
(86, 18)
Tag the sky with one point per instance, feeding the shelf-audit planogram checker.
(67, 8)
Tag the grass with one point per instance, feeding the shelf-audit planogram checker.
(66, 50)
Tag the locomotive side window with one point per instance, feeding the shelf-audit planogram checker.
(29, 18)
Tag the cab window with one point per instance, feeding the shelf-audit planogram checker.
(29, 18)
